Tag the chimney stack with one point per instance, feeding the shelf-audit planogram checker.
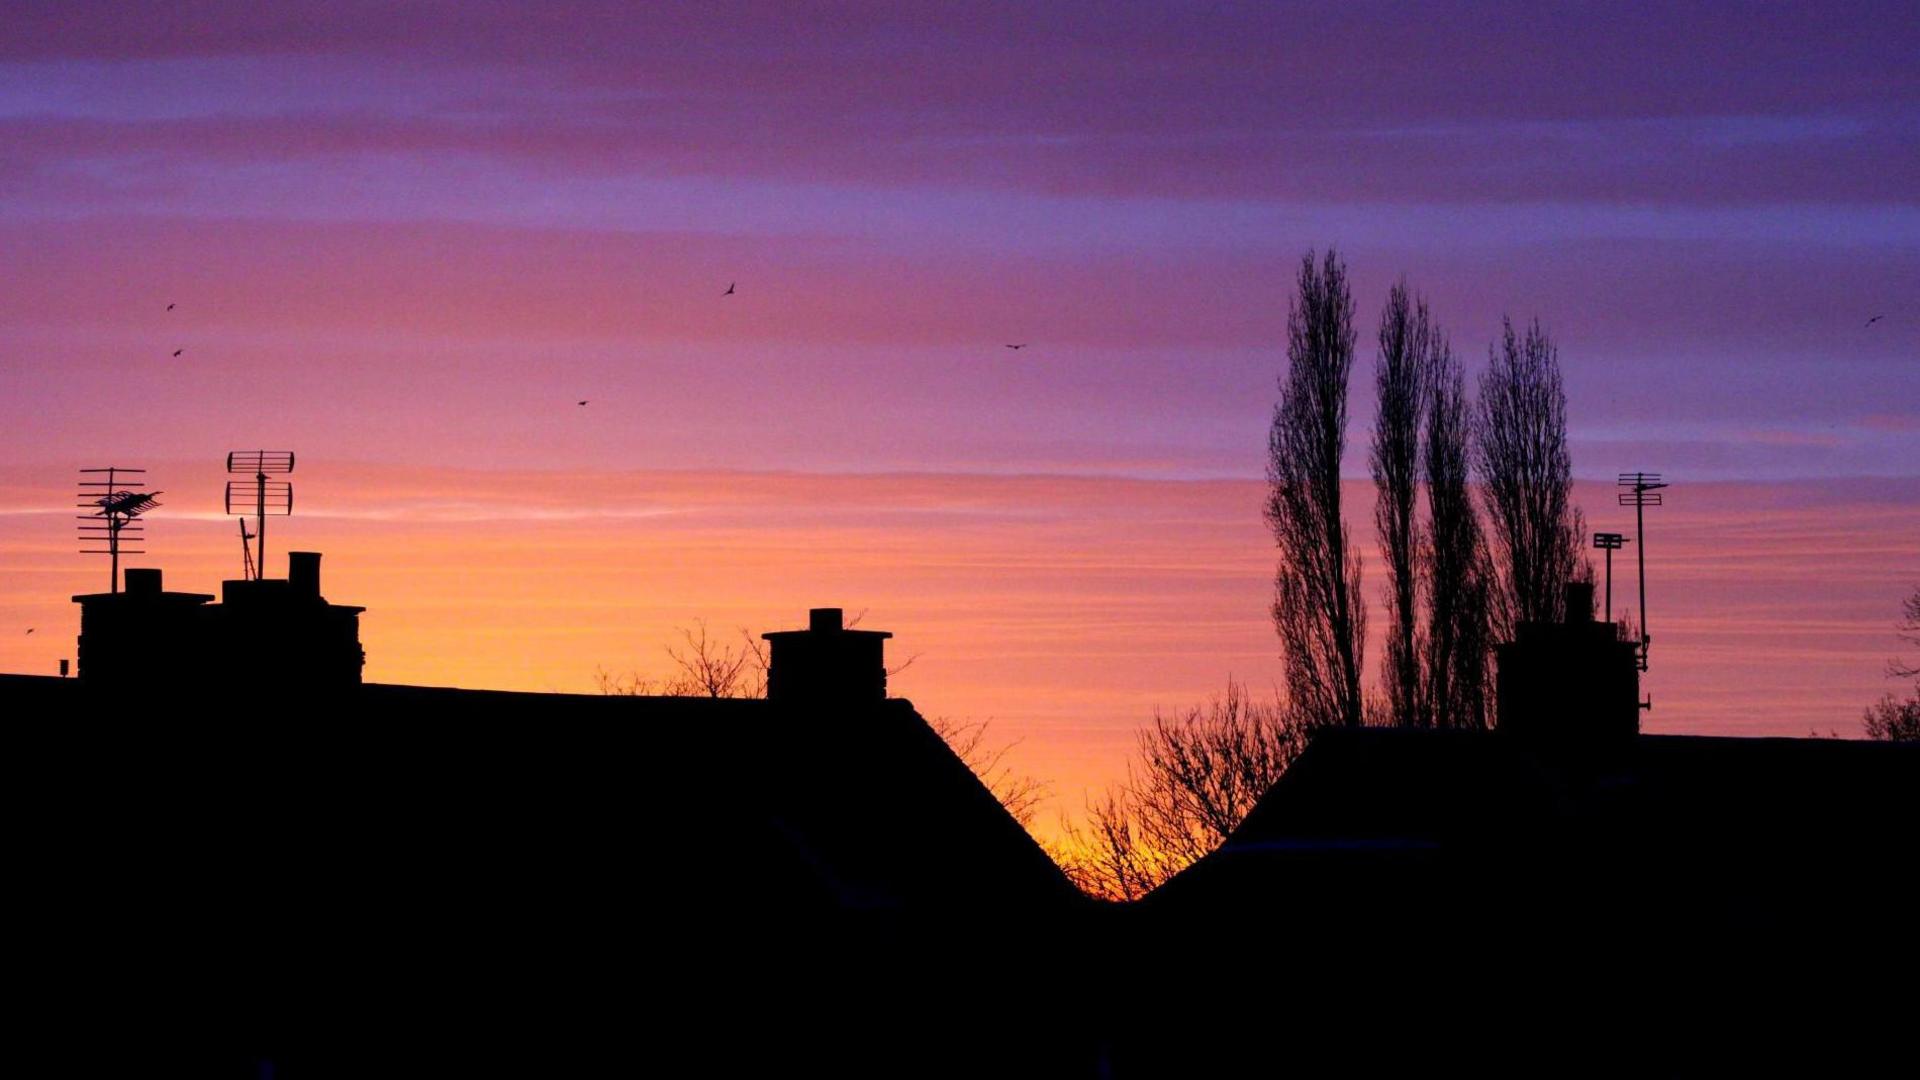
(303, 572)
(827, 664)
(1572, 684)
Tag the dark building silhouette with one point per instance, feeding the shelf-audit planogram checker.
(279, 633)
(1604, 891)
(367, 879)
(371, 879)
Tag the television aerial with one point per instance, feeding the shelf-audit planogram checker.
(259, 495)
(117, 503)
(1642, 491)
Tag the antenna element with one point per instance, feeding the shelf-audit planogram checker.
(260, 496)
(116, 503)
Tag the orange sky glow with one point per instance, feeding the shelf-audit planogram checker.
(1063, 610)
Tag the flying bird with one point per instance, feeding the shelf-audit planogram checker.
(177, 352)
(30, 629)
(169, 307)
(584, 402)
(1873, 320)
(729, 291)
(1022, 345)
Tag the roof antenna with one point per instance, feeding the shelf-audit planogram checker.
(260, 495)
(1643, 490)
(115, 504)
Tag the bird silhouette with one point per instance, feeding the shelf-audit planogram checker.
(1875, 319)
(30, 629)
(177, 352)
(729, 291)
(169, 307)
(1022, 345)
(584, 402)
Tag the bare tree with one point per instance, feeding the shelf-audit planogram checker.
(1891, 718)
(1318, 610)
(632, 684)
(712, 668)
(1400, 377)
(1196, 775)
(1108, 858)
(1894, 720)
(1459, 642)
(1526, 473)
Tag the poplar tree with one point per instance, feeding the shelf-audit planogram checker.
(1400, 377)
(1459, 643)
(1526, 476)
(1317, 609)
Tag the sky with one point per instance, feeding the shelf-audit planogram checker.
(405, 240)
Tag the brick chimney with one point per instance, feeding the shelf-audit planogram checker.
(827, 664)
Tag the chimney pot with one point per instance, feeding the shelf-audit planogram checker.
(824, 618)
(1579, 602)
(303, 572)
(144, 581)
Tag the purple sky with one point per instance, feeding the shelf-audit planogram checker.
(1703, 206)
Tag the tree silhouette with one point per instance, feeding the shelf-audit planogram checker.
(1400, 378)
(1318, 610)
(712, 668)
(1908, 631)
(1458, 643)
(1195, 776)
(1019, 792)
(1891, 718)
(1526, 475)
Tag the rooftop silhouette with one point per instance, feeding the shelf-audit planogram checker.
(336, 867)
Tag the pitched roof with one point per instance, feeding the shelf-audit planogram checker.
(1417, 821)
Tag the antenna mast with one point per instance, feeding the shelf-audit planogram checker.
(1643, 490)
(246, 552)
(115, 503)
(265, 496)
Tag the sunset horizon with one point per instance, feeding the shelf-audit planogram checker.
(1069, 540)
(584, 335)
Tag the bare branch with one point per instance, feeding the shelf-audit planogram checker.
(1196, 775)
(1020, 793)
(1908, 631)
(1891, 718)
